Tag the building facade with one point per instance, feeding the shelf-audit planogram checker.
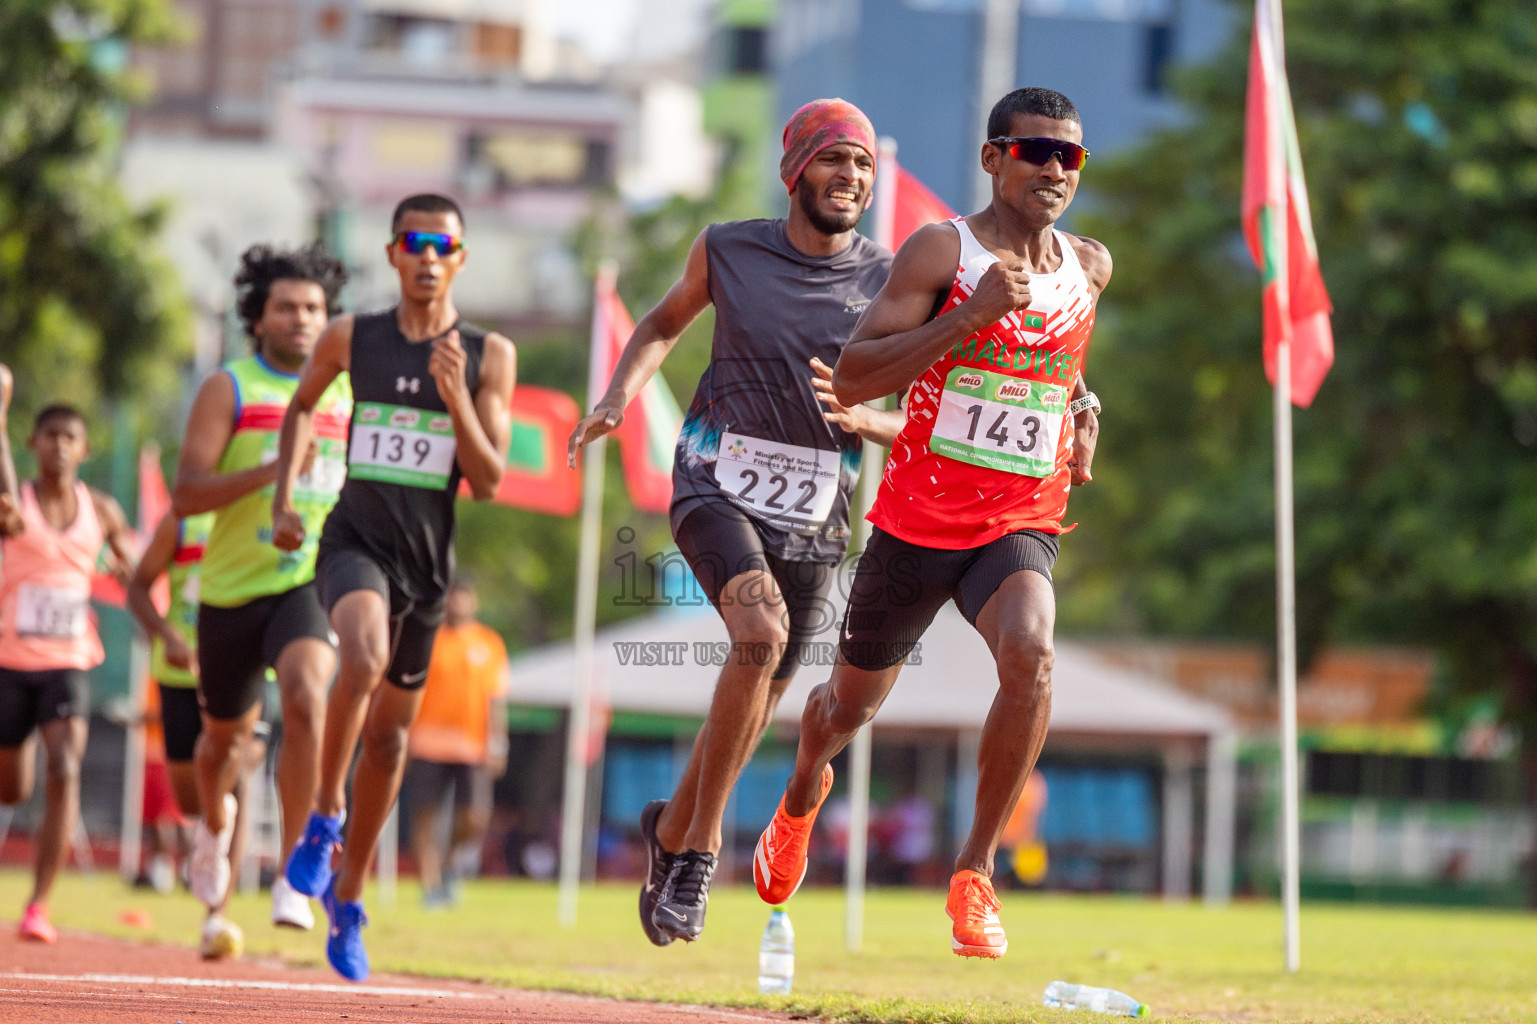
(915, 66)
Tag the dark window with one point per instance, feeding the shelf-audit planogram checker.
(1399, 777)
(1157, 54)
(599, 169)
(745, 50)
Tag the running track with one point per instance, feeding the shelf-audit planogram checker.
(88, 979)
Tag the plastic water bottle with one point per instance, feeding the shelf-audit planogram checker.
(1066, 996)
(776, 955)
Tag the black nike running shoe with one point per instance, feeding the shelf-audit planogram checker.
(658, 867)
(680, 911)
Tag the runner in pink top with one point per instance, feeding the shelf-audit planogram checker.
(47, 632)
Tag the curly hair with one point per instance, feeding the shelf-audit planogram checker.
(260, 265)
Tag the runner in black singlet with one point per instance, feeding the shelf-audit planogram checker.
(431, 407)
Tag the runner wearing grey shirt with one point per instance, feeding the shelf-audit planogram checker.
(765, 464)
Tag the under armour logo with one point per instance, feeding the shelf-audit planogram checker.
(413, 385)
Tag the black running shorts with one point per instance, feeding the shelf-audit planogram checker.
(413, 625)
(236, 646)
(898, 587)
(181, 719)
(30, 700)
(720, 541)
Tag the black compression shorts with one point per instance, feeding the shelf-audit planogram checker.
(899, 587)
(720, 541)
(181, 719)
(413, 625)
(30, 700)
(236, 646)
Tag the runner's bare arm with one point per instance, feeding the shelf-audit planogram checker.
(896, 340)
(10, 489)
(879, 426)
(330, 358)
(482, 421)
(122, 552)
(1096, 263)
(654, 337)
(199, 486)
(155, 560)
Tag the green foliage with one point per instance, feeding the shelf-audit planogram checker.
(87, 308)
(1417, 466)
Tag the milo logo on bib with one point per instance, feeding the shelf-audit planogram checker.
(970, 381)
(1013, 391)
(369, 414)
(405, 418)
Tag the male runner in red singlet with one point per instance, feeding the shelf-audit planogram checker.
(48, 637)
(988, 318)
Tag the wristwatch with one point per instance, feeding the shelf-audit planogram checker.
(1088, 401)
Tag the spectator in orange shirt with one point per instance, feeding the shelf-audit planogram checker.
(458, 743)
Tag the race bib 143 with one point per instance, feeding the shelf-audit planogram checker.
(397, 444)
(1001, 422)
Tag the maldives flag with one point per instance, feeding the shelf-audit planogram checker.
(649, 432)
(536, 477)
(903, 204)
(154, 503)
(1276, 218)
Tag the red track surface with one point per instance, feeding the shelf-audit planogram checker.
(88, 979)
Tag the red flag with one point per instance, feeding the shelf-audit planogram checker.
(154, 503)
(906, 204)
(651, 423)
(1276, 219)
(536, 477)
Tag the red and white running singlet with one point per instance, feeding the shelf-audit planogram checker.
(46, 620)
(985, 448)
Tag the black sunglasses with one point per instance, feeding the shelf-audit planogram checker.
(1039, 149)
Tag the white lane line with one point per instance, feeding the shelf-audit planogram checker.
(249, 983)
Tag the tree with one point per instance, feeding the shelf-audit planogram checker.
(87, 307)
(1417, 466)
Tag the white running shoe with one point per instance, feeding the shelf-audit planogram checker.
(162, 874)
(290, 907)
(222, 938)
(208, 869)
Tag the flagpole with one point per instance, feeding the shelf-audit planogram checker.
(1286, 659)
(884, 209)
(857, 855)
(574, 803)
(1286, 557)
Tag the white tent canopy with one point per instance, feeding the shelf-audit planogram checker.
(667, 664)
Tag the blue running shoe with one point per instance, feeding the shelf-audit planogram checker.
(344, 943)
(309, 865)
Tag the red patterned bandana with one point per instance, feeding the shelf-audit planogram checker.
(817, 125)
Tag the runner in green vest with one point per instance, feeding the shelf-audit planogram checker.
(258, 608)
(176, 549)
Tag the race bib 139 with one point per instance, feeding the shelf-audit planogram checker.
(397, 444)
